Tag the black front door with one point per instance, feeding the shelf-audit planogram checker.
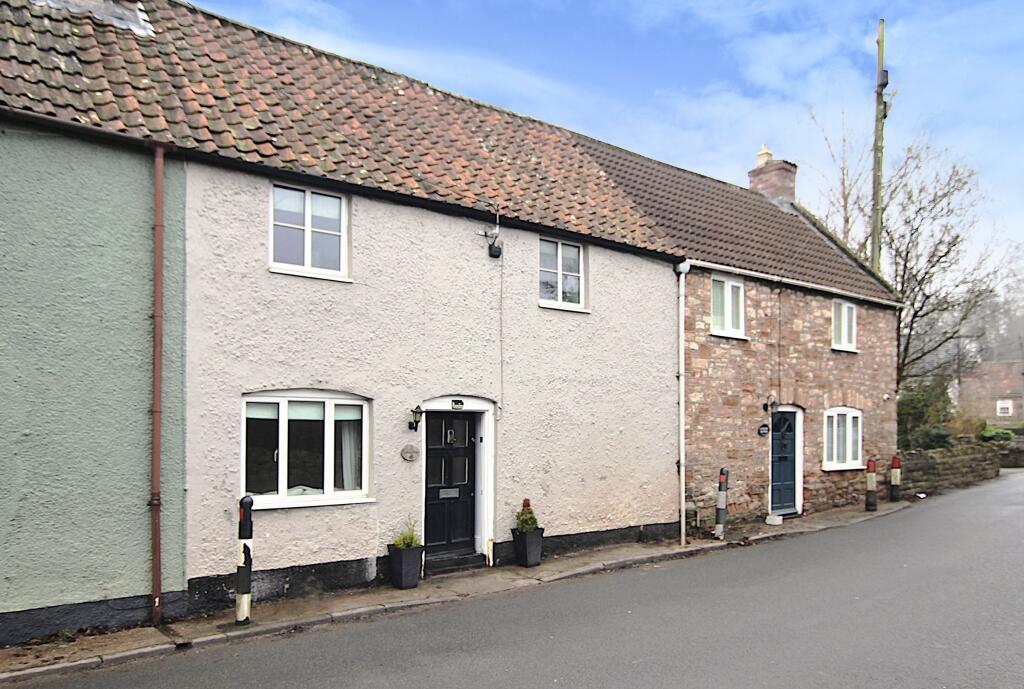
(783, 462)
(451, 460)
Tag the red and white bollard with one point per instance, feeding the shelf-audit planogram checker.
(721, 505)
(243, 576)
(871, 494)
(895, 479)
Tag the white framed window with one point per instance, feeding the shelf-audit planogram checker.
(843, 439)
(1004, 407)
(304, 448)
(308, 233)
(844, 325)
(561, 279)
(727, 306)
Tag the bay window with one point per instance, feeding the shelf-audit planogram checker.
(304, 449)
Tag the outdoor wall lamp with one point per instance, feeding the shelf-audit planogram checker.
(417, 414)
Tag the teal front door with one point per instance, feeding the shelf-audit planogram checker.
(783, 462)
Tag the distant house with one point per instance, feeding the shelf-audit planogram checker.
(379, 301)
(994, 391)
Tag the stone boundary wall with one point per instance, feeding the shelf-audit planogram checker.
(935, 471)
(967, 462)
(1013, 456)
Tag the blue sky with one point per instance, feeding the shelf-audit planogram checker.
(702, 84)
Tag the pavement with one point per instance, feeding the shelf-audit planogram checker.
(294, 614)
(797, 610)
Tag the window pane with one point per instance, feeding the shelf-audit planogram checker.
(830, 436)
(327, 251)
(548, 255)
(851, 324)
(855, 439)
(837, 323)
(326, 213)
(841, 438)
(571, 289)
(717, 304)
(435, 470)
(348, 450)
(737, 307)
(305, 448)
(548, 285)
(460, 471)
(261, 448)
(570, 259)
(435, 430)
(289, 206)
(289, 245)
(457, 432)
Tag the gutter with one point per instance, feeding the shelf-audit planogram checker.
(156, 614)
(768, 277)
(681, 270)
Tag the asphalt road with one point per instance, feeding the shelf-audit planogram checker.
(929, 597)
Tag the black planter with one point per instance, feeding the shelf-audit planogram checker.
(405, 566)
(529, 547)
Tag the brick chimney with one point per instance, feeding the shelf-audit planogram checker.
(776, 179)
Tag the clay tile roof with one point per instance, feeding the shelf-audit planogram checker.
(177, 74)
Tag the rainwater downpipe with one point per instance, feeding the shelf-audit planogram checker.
(156, 610)
(681, 270)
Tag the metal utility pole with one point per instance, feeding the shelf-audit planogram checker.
(881, 111)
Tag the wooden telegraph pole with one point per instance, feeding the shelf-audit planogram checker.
(881, 111)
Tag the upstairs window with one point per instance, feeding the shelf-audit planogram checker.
(1004, 408)
(308, 234)
(843, 429)
(844, 326)
(727, 307)
(561, 274)
(304, 449)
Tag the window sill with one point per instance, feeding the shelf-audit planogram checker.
(842, 467)
(851, 350)
(730, 336)
(559, 306)
(273, 502)
(309, 273)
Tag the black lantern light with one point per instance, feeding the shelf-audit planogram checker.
(417, 414)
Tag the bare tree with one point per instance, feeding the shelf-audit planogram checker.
(929, 202)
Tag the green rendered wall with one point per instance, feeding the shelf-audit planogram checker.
(76, 255)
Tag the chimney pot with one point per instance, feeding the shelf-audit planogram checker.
(776, 179)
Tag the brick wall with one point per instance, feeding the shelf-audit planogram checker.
(789, 357)
(991, 381)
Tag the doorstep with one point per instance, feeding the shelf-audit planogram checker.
(289, 615)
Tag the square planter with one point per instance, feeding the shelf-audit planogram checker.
(528, 546)
(405, 566)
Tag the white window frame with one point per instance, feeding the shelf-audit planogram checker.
(847, 341)
(307, 269)
(728, 330)
(830, 463)
(1004, 404)
(558, 303)
(329, 496)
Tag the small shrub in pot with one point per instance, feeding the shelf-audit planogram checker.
(405, 555)
(527, 537)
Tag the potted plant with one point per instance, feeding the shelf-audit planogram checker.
(405, 555)
(527, 537)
